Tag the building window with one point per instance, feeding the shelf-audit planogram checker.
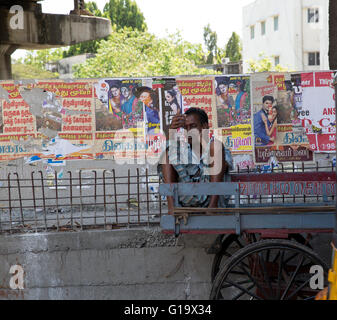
(314, 59)
(275, 23)
(252, 32)
(277, 60)
(313, 15)
(263, 28)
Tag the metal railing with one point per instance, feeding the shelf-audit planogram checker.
(286, 199)
(103, 199)
(80, 200)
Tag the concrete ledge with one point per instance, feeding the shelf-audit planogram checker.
(117, 264)
(53, 30)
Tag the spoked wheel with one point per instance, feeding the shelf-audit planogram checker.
(268, 270)
(232, 243)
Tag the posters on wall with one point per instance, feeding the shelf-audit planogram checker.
(172, 102)
(315, 103)
(117, 106)
(261, 118)
(35, 113)
(234, 112)
(198, 93)
(278, 134)
(128, 118)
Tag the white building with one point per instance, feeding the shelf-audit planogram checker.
(293, 32)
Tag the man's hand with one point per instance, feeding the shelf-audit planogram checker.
(178, 121)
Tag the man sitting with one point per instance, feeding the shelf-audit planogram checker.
(199, 160)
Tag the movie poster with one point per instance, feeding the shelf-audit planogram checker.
(198, 93)
(128, 118)
(47, 120)
(17, 123)
(172, 102)
(150, 95)
(64, 118)
(1, 119)
(315, 104)
(278, 134)
(234, 112)
(117, 106)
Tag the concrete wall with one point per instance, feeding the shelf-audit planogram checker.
(119, 264)
(295, 36)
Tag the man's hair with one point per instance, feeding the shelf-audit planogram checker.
(268, 98)
(203, 117)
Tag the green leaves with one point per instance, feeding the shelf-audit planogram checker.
(210, 39)
(40, 57)
(122, 13)
(133, 53)
(234, 48)
(125, 13)
(264, 64)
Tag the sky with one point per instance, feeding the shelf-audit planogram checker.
(187, 16)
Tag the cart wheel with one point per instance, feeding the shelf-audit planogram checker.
(232, 243)
(268, 270)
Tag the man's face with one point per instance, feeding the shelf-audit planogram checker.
(115, 92)
(193, 122)
(267, 105)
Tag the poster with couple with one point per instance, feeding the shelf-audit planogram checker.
(234, 112)
(278, 132)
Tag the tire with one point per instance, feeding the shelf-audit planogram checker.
(231, 243)
(248, 274)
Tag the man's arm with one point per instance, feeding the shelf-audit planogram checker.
(170, 175)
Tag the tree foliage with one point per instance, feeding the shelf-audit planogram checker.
(264, 64)
(122, 13)
(93, 8)
(210, 39)
(125, 13)
(234, 48)
(39, 58)
(132, 53)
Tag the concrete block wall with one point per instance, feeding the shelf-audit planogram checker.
(116, 264)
